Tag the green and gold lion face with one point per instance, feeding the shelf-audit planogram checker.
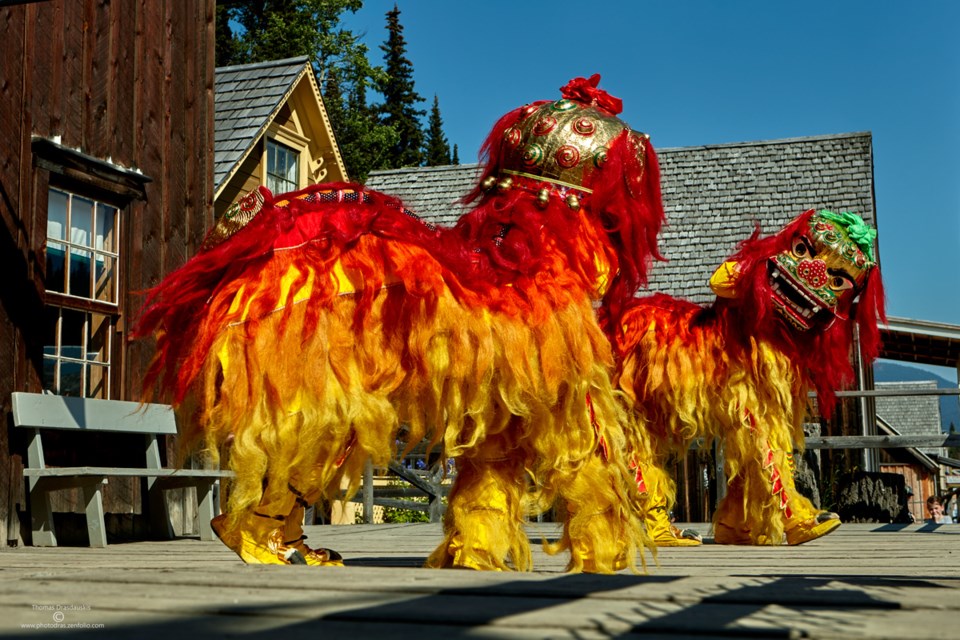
(824, 269)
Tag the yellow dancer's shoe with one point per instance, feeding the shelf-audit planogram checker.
(257, 539)
(294, 538)
(724, 533)
(804, 531)
(592, 565)
(664, 534)
(727, 534)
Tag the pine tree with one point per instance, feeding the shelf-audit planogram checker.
(333, 101)
(456, 156)
(368, 140)
(277, 29)
(436, 149)
(399, 109)
(225, 45)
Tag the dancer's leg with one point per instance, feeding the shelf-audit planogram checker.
(484, 519)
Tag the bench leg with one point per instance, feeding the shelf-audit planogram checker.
(206, 509)
(96, 527)
(41, 518)
(159, 515)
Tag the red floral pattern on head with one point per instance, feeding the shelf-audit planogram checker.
(585, 91)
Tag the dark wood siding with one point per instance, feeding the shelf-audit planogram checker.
(124, 81)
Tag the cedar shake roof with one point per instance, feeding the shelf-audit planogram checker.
(911, 415)
(433, 193)
(246, 97)
(713, 196)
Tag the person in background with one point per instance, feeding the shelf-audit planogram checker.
(935, 509)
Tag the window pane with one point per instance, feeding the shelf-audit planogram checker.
(55, 272)
(50, 374)
(57, 215)
(51, 316)
(291, 163)
(98, 382)
(106, 223)
(81, 221)
(79, 273)
(104, 278)
(98, 342)
(71, 378)
(271, 158)
(282, 168)
(72, 329)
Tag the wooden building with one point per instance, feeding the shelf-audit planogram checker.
(106, 185)
(912, 416)
(271, 129)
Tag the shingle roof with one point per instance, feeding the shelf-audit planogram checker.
(911, 415)
(245, 98)
(432, 192)
(713, 195)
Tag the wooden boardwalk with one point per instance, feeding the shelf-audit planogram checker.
(864, 581)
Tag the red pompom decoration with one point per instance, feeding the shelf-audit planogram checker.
(585, 91)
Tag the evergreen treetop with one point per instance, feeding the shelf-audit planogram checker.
(436, 150)
(400, 99)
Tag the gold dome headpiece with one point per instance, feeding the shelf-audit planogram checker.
(561, 143)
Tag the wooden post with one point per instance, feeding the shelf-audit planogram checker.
(868, 420)
(368, 491)
(721, 473)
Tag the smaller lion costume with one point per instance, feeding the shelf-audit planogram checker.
(740, 371)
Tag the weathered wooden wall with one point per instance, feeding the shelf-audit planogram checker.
(125, 81)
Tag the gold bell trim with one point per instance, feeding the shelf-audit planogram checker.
(543, 197)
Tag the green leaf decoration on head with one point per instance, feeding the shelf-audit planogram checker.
(858, 230)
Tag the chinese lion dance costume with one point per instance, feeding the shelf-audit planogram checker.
(312, 325)
(740, 372)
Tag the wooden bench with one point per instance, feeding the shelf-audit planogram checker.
(39, 412)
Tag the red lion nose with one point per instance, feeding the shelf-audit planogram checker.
(813, 272)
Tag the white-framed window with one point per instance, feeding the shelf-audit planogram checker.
(77, 352)
(82, 284)
(82, 247)
(282, 167)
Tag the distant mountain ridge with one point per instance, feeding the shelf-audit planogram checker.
(949, 405)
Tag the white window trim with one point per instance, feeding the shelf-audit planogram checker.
(293, 140)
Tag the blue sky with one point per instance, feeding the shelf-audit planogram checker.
(700, 72)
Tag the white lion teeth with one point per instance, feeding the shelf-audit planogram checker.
(801, 310)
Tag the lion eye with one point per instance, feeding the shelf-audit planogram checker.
(800, 248)
(840, 281)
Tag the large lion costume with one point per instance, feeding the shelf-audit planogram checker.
(740, 371)
(312, 325)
